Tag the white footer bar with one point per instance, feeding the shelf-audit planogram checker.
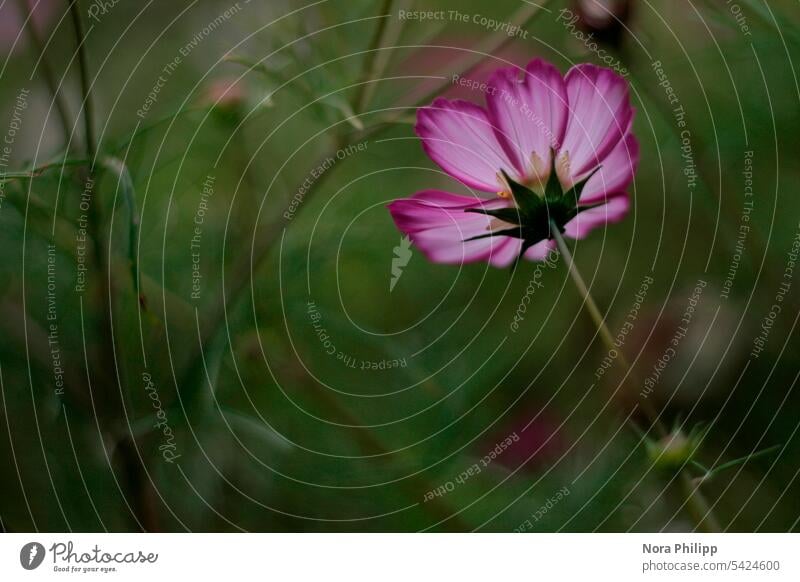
(401, 557)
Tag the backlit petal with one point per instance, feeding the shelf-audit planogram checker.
(459, 136)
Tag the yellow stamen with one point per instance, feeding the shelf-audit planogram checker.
(505, 188)
(540, 172)
(563, 171)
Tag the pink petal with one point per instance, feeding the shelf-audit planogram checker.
(616, 173)
(530, 113)
(438, 225)
(612, 211)
(459, 136)
(540, 250)
(600, 115)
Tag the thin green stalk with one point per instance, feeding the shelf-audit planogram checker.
(39, 170)
(138, 481)
(696, 503)
(374, 59)
(88, 102)
(104, 288)
(711, 473)
(47, 70)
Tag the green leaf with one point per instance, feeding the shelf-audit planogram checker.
(711, 473)
(125, 185)
(341, 105)
(257, 428)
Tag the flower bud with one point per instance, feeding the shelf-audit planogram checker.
(674, 450)
(605, 19)
(225, 96)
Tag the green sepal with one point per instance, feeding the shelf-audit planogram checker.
(515, 232)
(528, 202)
(574, 193)
(553, 187)
(510, 215)
(535, 214)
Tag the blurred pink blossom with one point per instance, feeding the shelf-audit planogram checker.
(43, 13)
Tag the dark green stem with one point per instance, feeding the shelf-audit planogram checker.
(696, 503)
(88, 102)
(47, 71)
(137, 480)
(365, 89)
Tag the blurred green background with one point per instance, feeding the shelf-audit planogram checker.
(216, 383)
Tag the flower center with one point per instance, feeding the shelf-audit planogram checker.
(539, 173)
(539, 207)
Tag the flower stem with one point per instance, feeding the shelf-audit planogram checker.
(696, 503)
(88, 102)
(39, 170)
(138, 482)
(371, 60)
(47, 70)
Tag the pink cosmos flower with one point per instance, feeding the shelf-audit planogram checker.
(547, 152)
